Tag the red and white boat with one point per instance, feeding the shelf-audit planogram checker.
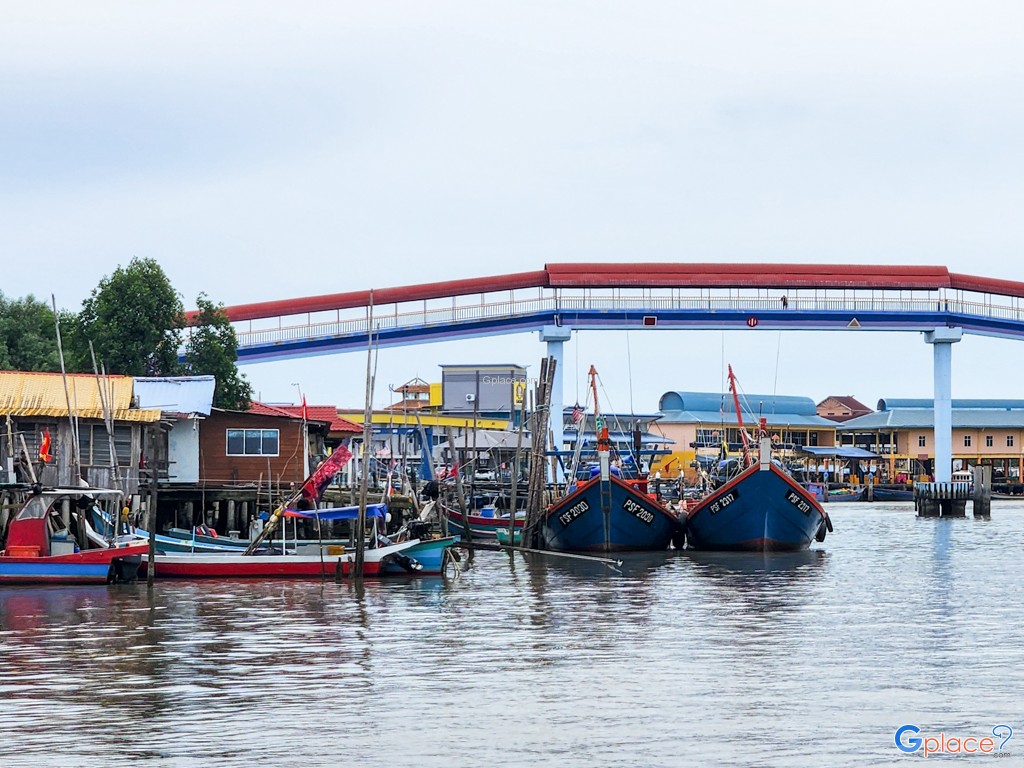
(294, 566)
(39, 550)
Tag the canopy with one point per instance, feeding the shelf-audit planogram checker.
(338, 513)
(840, 451)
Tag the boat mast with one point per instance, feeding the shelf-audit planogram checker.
(603, 442)
(747, 460)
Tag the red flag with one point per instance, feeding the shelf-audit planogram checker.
(44, 447)
(314, 487)
(305, 409)
(577, 414)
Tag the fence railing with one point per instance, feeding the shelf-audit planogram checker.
(439, 317)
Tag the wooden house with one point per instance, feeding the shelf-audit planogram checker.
(36, 409)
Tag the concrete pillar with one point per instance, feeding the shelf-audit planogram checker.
(190, 510)
(942, 340)
(231, 516)
(555, 336)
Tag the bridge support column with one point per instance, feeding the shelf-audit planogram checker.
(555, 336)
(942, 340)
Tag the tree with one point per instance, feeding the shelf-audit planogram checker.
(27, 336)
(134, 319)
(212, 349)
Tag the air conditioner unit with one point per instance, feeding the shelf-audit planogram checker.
(470, 397)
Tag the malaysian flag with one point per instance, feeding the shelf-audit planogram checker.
(577, 414)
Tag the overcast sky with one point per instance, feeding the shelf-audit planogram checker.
(264, 151)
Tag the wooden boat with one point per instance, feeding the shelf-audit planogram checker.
(39, 551)
(848, 494)
(891, 494)
(483, 525)
(760, 509)
(515, 539)
(392, 559)
(606, 513)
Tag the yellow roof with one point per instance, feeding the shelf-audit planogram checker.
(42, 394)
(397, 419)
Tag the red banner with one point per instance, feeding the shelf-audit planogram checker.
(314, 487)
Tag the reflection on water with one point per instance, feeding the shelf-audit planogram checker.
(787, 659)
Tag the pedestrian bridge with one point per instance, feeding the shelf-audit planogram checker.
(635, 297)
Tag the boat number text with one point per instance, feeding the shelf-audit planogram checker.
(572, 513)
(794, 498)
(645, 516)
(719, 504)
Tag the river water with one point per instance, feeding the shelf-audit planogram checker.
(675, 659)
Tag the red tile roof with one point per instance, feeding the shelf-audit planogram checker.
(325, 413)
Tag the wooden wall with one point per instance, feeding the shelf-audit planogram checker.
(217, 468)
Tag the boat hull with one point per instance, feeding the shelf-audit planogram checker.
(891, 494)
(480, 527)
(761, 510)
(608, 516)
(379, 561)
(94, 566)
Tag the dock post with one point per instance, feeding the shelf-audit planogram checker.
(981, 494)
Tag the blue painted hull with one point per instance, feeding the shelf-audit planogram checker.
(890, 494)
(760, 510)
(44, 572)
(429, 554)
(609, 516)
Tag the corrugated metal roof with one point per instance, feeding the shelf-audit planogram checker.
(894, 403)
(176, 394)
(924, 418)
(42, 394)
(710, 418)
(770, 405)
(843, 452)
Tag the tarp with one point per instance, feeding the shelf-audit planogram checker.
(338, 513)
(842, 452)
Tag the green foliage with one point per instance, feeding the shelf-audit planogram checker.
(212, 349)
(28, 340)
(134, 319)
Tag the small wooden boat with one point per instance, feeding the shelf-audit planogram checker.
(39, 550)
(892, 494)
(393, 559)
(848, 494)
(483, 525)
(506, 539)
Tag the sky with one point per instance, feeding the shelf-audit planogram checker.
(263, 150)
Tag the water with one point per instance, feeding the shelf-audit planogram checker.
(790, 660)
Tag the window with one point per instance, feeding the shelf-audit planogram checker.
(94, 445)
(253, 442)
(920, 441)
(988, 441)
(967, 441)
(1009, 441)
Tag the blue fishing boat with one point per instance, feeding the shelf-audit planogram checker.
(427, 558)
(892, 494)
(760, 509)
(605, 513)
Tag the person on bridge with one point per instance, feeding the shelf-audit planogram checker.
(785, 302)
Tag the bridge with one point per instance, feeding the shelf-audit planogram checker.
(647, 296)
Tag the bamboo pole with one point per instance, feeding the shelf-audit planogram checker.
(367, 416)
(515, 473)
(450, 435)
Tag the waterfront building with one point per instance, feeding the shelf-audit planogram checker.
(842, 408)
(36, 430)
(703, 424)
(902, 432)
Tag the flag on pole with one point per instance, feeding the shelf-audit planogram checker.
(314, 487)
(44, 447)
(305, 409)
(577, 414)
